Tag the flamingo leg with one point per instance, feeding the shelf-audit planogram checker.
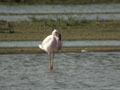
(52, 61)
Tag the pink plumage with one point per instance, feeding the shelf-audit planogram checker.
(51, 44)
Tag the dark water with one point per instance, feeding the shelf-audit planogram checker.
(72, 71)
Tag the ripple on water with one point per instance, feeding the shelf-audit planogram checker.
(86, 71)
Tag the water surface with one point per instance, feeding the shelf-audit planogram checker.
(65, 43)
(114, 16)
(59, 8)
(89, 12)
(72, 71)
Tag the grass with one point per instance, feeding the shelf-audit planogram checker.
(64, 49)
(19, 2)
(71, 29)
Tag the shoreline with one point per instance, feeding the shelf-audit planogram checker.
(70, 29)
(24, 50)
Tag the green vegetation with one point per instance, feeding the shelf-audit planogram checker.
(6, 27)
(71, 29)
(57, 1)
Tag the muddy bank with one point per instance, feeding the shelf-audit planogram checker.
(64, 49)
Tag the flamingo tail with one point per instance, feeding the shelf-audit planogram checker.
(40, 46)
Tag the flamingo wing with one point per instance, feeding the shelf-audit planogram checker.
(45, 41)
(48, 44)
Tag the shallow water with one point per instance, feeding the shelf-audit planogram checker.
(59, 8)
(112, 10)
(113, 16)
(72, 71)
(65, 43)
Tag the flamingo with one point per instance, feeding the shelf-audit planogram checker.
(51, 44)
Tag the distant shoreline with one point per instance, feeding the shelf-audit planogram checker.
(64, 50)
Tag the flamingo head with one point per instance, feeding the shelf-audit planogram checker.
(55, 32)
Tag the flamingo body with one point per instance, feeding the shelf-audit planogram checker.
(51, 44)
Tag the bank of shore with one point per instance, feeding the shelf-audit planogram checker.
(64, 49)
(70, 29)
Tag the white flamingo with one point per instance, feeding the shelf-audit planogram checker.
(51, 44)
